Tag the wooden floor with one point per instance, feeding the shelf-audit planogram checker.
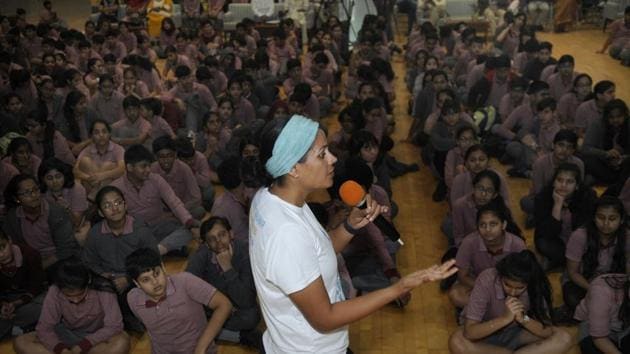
(424, 326)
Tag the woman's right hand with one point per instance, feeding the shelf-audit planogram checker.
(558, 199)
(514, 308)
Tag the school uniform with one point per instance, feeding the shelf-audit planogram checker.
(184, 184)
(474, 256)
(60, 145)
(594, 152)
(74, 196)
(109, 109)
(507, 106)
(462, 185)
(587, 113)
(567, 109)
(559, 86)
(198, 101)
(229, 207)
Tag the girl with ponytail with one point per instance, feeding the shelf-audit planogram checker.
(509, 309)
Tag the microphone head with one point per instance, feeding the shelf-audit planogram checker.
(351, 193)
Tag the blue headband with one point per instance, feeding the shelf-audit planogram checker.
(292, 144)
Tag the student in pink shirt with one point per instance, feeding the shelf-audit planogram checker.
(244, 112)
(45, 140)
(132, 129)
(195, 97)
(173, 60)
(146, 195)
(496, 236)
(569, 102)
(233, 204)
(509, 309)
(200, 168)
(601, 246)
(80, 315)
(20, 156)
(130, 85)
(151, 109)
(523, 116)
(172, 307)
(58, 184)
(178, 175)
(604, 315)
(514, 98)
(212, 141)
(465, 137)
(100, 162)
(107, 102)
(562, 81)
(593, 109)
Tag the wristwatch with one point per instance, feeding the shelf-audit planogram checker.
(526, 319)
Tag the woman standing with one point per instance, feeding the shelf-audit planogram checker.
(293, 258)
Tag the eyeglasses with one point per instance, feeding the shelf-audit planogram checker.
(111, 205)
(29, 193)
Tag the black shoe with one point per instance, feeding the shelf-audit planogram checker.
(252, 339)
(440, 192)
(518, 173)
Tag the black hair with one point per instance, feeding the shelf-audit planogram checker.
(104, 78)
(523, 267)
(320, 212)
(19, 77)
(371, 103)
(476, 147)
(11, 190)
(360, 139)
(497, 205)
(518, 82)
(71, 273)
(590, 259)
(321, 58)
(131, 101)
(382, 67)
(207, 225)
(164, 142)
(547, 102)
(54, 163)
(578, 78)
(140, 261)
(268, 137)
(152, 103)
(354, 111)
(293, 63)
(602, 86)
(229, 172)
(109, 58)
(566, 59)
(537, 86)
(545, 45)
(567, 135)
(72, 99)
(182, 71)
(465, 128)
(137, 153)
(185, 147)
(99, 121)
(104, 191)
(450, 107)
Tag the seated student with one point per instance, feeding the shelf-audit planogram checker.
(303, 94)
(147, 193)
(77, 117)
(592, 110)
(570, 101)
(172, 307)
(20, 156)
(177, 174)
(131, 86)
(350, 120)
(527, 55)
(100, 162)
(564, 146)
(151, 109)
(443, 139)
(173, 60)
(132, 128)
(465, 137)
(514, 98)
(107, 102)
(57, 182)
(323, 76)
(542, 65)
(604, 315)
(535, 140)
(22, 282)
(476, 160)
(561, 82)
(113, 69)
(375, 118)
(561, 207)
(480, 250)
(486, 185)
(494, 84)
(11, 114)
(364, 145)
(196, 97)
(30, 219)
(601, 246)
(425, 101)
(617, 41)
(200, 168)
(223, 262)
(213, 139)
(606, 146)
(523, 115)
(115, 237)
(45, 140)
(233, 204)
(509, 309)
(441, 97)
(79, 315)
(244, 112)
(370, 257)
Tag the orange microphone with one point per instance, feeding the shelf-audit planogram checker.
(354, 195)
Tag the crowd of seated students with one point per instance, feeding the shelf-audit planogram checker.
(113, 141)
(513, 101)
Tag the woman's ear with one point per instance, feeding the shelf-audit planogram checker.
(294, 172)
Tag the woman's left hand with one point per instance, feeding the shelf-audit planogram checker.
(358, 218)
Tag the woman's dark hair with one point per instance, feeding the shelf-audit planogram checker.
(497, 206)
(11, 190)
(602, 86)
(104, 191)
(354, 111)
(100, 121)
(268, 137)
(152, 103)
(207, 225)
(568, 167)
(523, 267)
(171, 22)
(361, 139)
(474, 148)
(54, 163)
(17, 143)
(382, 67)
(40, 115)
(590, 259)
(140, 261)
(247, 140)
(91, 62)
(611, 132)
(72, 99)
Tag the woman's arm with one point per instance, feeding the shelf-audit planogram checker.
(573, 269)
(314, 303)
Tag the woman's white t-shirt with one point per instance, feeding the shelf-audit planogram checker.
(288, 250)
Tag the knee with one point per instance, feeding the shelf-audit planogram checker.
(457, 343)
(562, 338)
(22, 344)
(120, 344)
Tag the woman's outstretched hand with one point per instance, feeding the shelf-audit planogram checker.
(433, 273)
